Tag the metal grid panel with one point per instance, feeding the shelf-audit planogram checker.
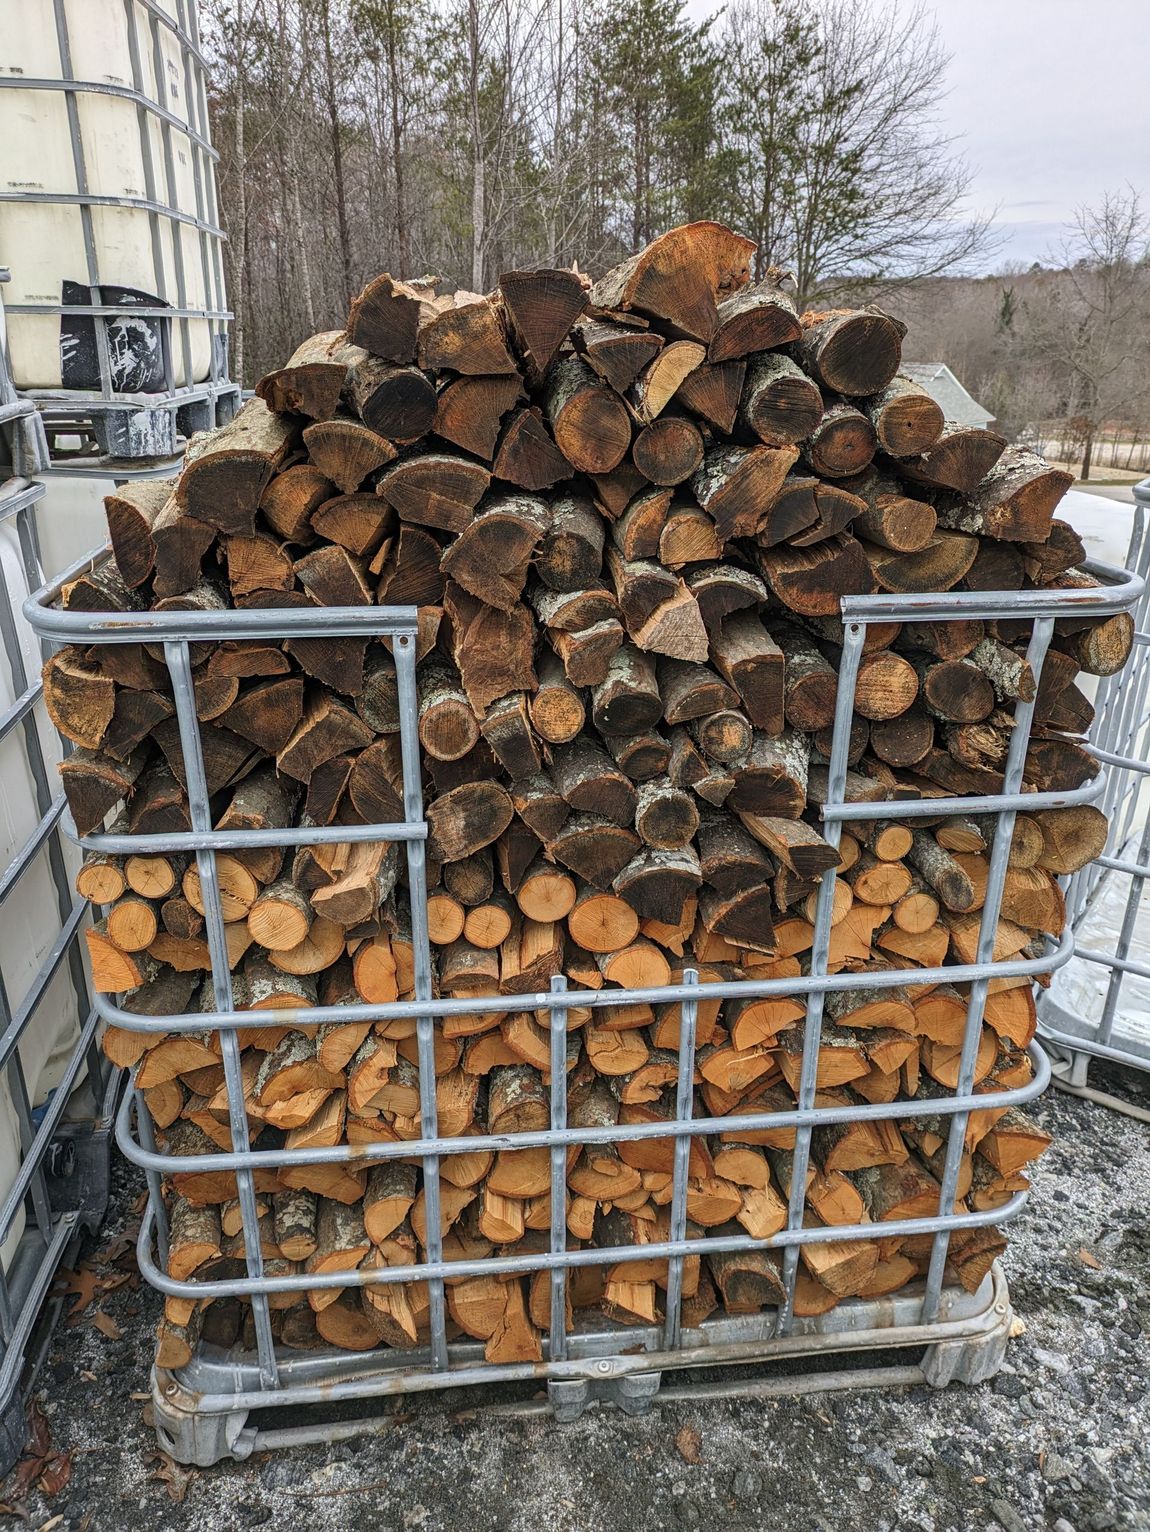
(188, 406)
(1120, 739)
(272, 1377)
(58, 1210)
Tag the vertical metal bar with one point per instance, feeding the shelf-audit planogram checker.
(175, 231)
(80, 169)
(853, 638)
(18, 1089)
(147, 1136)
(180, 669)
(684, 1110)
(37, 767)
(7, 1318)
(143, 126)
(557, 1335)
(211, 254)
(987, 931)
(1125, 937)
(28, 537)
(201, 169)
(403, 648)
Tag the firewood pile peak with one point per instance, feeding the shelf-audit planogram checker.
(626, 511)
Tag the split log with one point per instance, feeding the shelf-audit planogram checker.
(225, 471)
(679, 278)
(310, 384)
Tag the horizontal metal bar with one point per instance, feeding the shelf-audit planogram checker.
(1120, 589)
(20, 709)
(548, 1000)
(137, 204)
(113, 310)
(118, 470)
(1077, 1043)
(244, 840)
(84, 401)
(544, 1260)
(1123, 762)
(127, 627)
(12, 1033)
(1110, 960)
(123, 92)
(48, 621)
(18, 409)
(1130, 869)
(15, 868)
(18, 494)
(948, 808)
(362, 1155)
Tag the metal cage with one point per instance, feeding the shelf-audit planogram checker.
(61, 1186)
(174, 142)
(202, 1413)
(1099, 1005)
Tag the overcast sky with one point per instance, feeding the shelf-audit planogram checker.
(1052, 101)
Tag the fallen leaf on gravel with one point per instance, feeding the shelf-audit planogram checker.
(81, 1287)
(46, 1526)
(57, 1472)
(17, 1488)
(106, 1325)
(688, 1443)
(39, 1436)
(170, 1472)
(1088, 1258)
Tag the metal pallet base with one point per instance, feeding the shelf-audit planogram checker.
(202, 1411)
(133, 429)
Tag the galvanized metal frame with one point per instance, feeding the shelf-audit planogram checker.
(60, 1205)
(1120, 739)
(574, 1362)
(189, 406)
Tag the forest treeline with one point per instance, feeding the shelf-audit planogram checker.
(468, 137)
(464, 138)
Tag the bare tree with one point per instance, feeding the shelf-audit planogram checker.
(841, 170)
(1093, 320)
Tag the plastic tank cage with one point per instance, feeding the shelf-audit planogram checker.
(110, 225)
(202, 1412)
(56, 1090)
(1099, 1004)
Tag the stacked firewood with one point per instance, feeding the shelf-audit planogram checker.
(626, 513)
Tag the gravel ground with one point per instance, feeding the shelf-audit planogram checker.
(1059, 1439)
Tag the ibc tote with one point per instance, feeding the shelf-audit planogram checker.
(107, 196)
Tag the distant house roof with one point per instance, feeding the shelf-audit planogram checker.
(942, 385)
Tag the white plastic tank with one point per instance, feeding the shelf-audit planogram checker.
(101, 140)
(30, 919)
